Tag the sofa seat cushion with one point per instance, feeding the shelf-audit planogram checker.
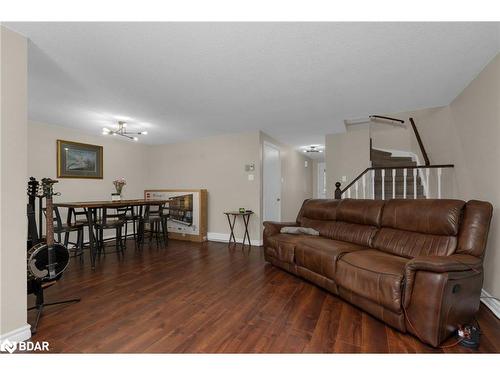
(282, 246)
(374, 275)
(319, 254)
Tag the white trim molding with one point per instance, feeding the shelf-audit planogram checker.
(224, 237)
(17, 335)
(492, 304)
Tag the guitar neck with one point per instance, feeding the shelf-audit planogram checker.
(50, 222)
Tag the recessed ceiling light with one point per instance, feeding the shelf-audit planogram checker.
(313, 148)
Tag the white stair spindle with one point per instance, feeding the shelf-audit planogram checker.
(373, 183)
(404, 183)
(349, 193)
(415, 183)
(426, 186)
(363, 181)
(393, 183)
(439, 172)
(356, 188)
(383, 184)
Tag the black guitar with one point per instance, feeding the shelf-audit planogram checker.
(33, 237)
(47, 260)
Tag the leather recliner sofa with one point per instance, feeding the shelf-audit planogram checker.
(414, 264)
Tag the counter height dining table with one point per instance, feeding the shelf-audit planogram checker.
(91, 208)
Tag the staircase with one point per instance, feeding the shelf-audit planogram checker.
(395, 176)
(384, 159)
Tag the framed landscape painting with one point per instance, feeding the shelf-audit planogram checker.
(78, 160)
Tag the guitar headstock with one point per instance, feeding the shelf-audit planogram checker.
(48, 187)
(33, 187)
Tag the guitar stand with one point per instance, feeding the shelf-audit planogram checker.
(37, 290)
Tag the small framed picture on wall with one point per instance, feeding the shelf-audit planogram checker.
(79, 160)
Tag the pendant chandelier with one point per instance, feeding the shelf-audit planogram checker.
(122, 131)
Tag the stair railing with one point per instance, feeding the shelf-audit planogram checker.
(420, 143)
(364, 186)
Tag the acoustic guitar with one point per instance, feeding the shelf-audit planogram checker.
(47, 260)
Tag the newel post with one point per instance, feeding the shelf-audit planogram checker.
(338, 192)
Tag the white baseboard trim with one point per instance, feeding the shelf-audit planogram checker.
(492, 304)
(17, 335)
(224, 237)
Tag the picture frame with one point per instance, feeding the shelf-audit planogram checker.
(79, 160)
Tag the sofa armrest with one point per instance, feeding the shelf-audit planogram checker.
(439, 264)
(441, 294)
(273, 227)
(452, 263)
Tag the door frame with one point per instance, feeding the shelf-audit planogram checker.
(271, 145)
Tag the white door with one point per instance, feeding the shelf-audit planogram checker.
(321, 193)
(271, 183)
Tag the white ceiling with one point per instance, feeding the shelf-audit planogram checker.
(295, 81)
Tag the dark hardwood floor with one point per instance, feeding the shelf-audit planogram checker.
(208, 298)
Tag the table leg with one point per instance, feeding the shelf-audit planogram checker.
(92, 244)
(246, 220)
(231, 227)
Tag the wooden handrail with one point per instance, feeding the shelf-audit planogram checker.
(419, 140)
(339, 192)
(388, 118)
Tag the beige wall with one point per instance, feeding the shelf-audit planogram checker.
(218, 165)
(346, 154)
(13, 162)
(475, 115)
(465, 133)
(122, 158)
(214, 163)
(297, 179)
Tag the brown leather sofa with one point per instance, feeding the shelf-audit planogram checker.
(414, 264)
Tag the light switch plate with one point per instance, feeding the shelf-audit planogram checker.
(344, 178)
(250, 177)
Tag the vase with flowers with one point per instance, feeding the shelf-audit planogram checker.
(119, 184)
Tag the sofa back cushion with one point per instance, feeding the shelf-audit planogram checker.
(417, 227)
(351, 220)
(318, 214)
(360, 211)
(319, 209)
(357, 221)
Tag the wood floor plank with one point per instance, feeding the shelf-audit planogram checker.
(211, 298)
(373, 335)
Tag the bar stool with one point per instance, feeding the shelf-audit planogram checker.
(69, 227)
(130, 215)
(114, 221)
(79, 217)
(156, 219)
